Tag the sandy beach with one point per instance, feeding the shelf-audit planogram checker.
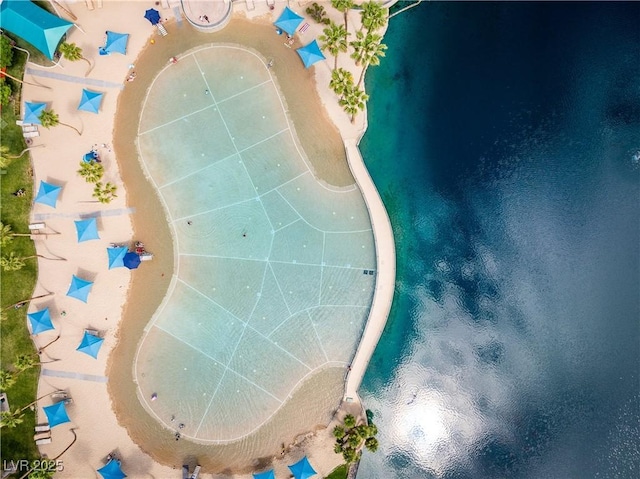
(106, 416)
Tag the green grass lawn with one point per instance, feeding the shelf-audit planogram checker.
(339, 472)
(15, 286)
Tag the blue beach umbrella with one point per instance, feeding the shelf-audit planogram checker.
(48, 194)
(79, 288)
(90, 101)
(56, 414)
(310, 54)
(90, 345)
(116, 43)
(40, 321)
(288, 21)
(32, 112)
(87, 230)
(112, 470)
(302, 469)
(131, 260)
(89, 157)
(265, 475)
(153, 16)
(116, 255)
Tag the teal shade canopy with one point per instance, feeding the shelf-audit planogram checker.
(87, 230)
(265, 475)
(116, 255)
(90, 345)
(116, 43)
(310, 54)
(79, 288)
(56, 414)
(33, 24)
(302, 469)
(32, 112)
(90, 101)
(40, 321)
(48, 194)
(288, 21)
(112, 470)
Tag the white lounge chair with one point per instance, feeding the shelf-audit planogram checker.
(43, 428)
(163, 31)
(196, 473)
(44, 440)
(62, 394)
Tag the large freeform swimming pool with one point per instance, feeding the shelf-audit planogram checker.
(274, 270)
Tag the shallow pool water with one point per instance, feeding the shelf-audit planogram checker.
(274, 270)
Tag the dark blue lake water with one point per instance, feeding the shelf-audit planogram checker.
(504, 139)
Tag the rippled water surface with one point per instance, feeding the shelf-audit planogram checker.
(511, 176)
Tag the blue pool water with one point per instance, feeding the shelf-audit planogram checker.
(511, 176)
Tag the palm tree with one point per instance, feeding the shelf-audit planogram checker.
(6, 236)
(5, 92)
(25, 82)
(352, 102)
(349, 421)
(371, 444)
(343, 6)
(5, 158)
(354, 440)
(11, 262)
(7, 379)
(10, 418)
(318, 13)
(92, 171)
(341, 80)
(334, 39)
(20, 303)
(73, 53)
(39, 470)
(106, 193)
(49, 118)
(350, 455)
(24, 362)
(367, 51)
(374, 16)
(338, 432)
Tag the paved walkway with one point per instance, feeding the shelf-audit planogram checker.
(386, 271)
(73, 375)
(90, 214)
(73, 79)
